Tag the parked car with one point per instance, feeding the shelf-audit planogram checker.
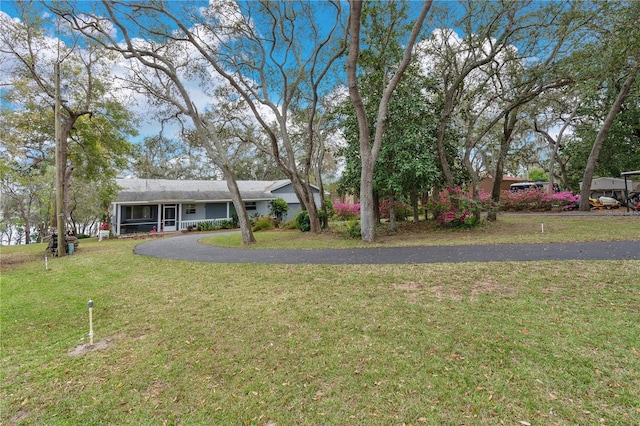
(533, 186)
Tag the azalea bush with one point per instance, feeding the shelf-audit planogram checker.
(346, 211)
(538, 201)
(454, 208)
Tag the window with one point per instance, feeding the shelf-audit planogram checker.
(250, 205)
(189, 209)
(138, 212)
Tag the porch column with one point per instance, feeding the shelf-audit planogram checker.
(228, 210)
(626, 193)
(179, 224)
(160, 213)
(118, 215)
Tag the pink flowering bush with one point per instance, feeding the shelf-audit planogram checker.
(346, 211)
(538, 201)
(452, 207)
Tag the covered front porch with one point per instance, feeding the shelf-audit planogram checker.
(168, 217)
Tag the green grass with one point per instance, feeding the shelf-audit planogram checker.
(507, 230)
(193, 343)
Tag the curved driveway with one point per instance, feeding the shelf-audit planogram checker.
(188, 247)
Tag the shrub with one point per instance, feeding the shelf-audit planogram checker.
(402, 210)
(263, 223)
(346, 211)
(353, 229)
(454, 208)
(321, 215)
(538, 201)
(226, 224)
(302, 221)
(253, 217)
(290, 224)
(279, 208)
(206, 226)
(330, 209)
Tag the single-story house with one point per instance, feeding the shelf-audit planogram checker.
(486, 184)
(145, 205)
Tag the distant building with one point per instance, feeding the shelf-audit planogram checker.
(486, 184)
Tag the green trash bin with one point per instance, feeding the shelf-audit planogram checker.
(70, 248)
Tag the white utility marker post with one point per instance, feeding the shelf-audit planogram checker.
(90, 305)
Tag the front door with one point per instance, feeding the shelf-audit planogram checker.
(169, 222)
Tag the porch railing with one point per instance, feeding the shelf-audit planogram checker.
(185, 224)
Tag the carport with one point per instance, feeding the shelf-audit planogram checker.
(626, 187)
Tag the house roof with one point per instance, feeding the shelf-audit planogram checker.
(162, 190)
(505, 178)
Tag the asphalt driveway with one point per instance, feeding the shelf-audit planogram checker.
(188, 247)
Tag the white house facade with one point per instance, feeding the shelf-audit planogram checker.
(148, 205)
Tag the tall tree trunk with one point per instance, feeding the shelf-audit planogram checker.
(312, 208)
(367, 206)
(393, 226)
(323, 204)
(304, 193)
(27, 222)
(441, 150)
(600, 138)
(507, 134)
(555, 145)
(369, 151)
(414, 205)
(241, 211)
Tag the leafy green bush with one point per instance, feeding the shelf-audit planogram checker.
(234, 219)
(279, 208)
(303, 221)
(205, 226)
(330, 209)
(226, 224)
(353, 229)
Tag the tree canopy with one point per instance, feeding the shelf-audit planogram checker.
(429, 96)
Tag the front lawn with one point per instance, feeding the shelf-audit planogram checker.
(195, 343)
(508, 229)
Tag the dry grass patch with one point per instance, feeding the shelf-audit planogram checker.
(468, 291)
